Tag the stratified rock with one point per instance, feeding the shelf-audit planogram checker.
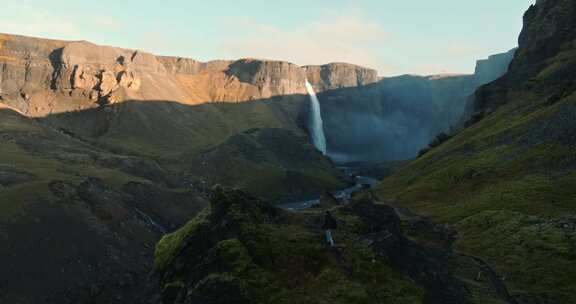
(178, 65)
(40, 77)
(271, 77)
(339, 75)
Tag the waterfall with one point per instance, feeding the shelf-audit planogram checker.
(316, 125)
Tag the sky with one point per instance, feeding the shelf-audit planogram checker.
(393, 37)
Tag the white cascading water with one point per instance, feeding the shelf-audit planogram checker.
(316, 124)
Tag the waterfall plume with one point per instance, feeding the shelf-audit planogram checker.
(316, 124)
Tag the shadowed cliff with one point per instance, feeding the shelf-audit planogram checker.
(506, 183)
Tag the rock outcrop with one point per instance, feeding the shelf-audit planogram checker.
(40, 77)
(271, 77)
(339, 75)
(243, 250)
(548, 37)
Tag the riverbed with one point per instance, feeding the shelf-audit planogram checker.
(343, 194)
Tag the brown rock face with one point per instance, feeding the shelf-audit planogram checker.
(26, 70)
(339, 75)
(108, 75)
(178, 65)
(40, 77)
(271, 77)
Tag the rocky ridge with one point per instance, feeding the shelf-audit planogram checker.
(41, 77)
(334, 76)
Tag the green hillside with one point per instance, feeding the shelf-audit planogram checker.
(507, 182)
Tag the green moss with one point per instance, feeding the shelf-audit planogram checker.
(288, 262)
(168, 247)
(496, 184)
(234, 254)
(528, 250)
(563, 61)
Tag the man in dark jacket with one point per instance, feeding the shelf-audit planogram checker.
(330, 224)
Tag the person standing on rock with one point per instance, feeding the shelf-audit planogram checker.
(330, 224)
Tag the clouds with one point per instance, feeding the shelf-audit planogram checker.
(349, 38)
(25, 19)
(393, 37)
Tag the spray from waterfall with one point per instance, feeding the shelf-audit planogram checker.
(316, 124)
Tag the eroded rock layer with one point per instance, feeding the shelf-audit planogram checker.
(40, 77)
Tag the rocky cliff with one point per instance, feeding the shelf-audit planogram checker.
(175, 109)
(506, 182)
(544, 60)
(492, 68)
(339, 75)
(41, 77)
(104, 149)
(44, 77)
(394, 118)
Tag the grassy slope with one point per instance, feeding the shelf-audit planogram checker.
(41, 233)
(507, 184)
(30, 147)
(215, 142)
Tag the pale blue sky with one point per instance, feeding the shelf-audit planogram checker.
(394, 37)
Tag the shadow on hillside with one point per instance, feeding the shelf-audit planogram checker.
(389, 120)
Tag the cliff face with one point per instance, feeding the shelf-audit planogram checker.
(548, 32)
(339, 75)
(103, 149)
(506, 182)
(394, 118)
(492, 68)
(40, 77)
(544, 60)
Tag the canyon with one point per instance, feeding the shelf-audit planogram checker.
(121, 146)
(127, 177)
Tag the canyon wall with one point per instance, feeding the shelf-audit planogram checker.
(394, 118)
(363, 113)
(40, 77)
(334, 76)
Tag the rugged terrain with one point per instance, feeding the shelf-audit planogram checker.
(219, 121)
(243, 250)
(78, 222)
(105, 150)
(506, 182)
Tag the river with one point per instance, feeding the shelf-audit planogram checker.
(343, 194)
